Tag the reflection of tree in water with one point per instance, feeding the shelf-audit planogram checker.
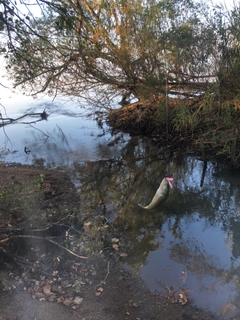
(51, 148)
(194, 260)
(235, 232)
(141, 233)
(117, 185)
(56, 149)
(206, 266)
(113, 188)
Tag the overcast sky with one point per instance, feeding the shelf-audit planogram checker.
(228, 3)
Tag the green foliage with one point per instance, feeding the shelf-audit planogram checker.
(40, 180)
(130, 47)
(160, 115)
(211, 124)
(183, 118)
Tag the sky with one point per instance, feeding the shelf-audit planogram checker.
(228, 3)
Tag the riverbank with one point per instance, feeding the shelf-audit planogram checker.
(200, 127)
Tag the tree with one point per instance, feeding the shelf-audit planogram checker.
(110, 48)
(228, 61)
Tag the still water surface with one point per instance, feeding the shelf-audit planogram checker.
(192, 242)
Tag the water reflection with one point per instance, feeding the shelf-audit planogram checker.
(195, 233)
(69, 135)
(192, 241)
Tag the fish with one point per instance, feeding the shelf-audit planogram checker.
(161, 194)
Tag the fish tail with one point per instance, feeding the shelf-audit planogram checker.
(140, 205)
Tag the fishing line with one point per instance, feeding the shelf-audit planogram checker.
(166, 101)
(166, 91)
(166, 104)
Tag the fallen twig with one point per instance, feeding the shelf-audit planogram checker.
(44, 239)
(107, 272)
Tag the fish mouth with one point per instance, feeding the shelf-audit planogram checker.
(169, 181)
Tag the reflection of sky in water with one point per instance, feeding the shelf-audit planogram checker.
(192, 176)
(201, 237)
(204, 254)
(67, 136)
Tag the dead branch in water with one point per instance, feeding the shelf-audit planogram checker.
(5, 121)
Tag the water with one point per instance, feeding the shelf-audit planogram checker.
(190, 243)
(68, 135)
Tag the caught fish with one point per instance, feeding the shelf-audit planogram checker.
(161, 194)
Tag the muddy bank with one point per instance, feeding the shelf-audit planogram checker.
(124, 297)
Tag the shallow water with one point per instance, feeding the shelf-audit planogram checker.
(191, 242)
(68, 135)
